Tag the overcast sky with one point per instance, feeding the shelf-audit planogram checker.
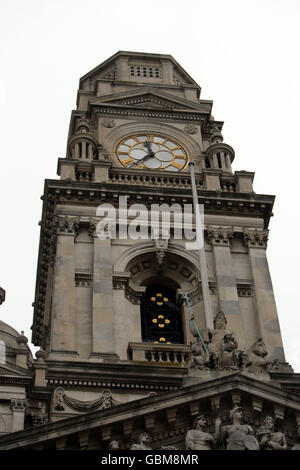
(243, 53)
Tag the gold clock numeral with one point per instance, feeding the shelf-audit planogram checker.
(176, 165)
(127, 161)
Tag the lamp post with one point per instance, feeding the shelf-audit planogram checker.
(202, 260)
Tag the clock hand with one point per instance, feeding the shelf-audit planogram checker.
(149, 155)
(148, 145)
(139, 161)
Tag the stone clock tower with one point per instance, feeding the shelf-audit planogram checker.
(113, 309)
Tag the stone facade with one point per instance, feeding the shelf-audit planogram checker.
(96, 379)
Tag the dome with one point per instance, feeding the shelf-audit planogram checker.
(9, 336)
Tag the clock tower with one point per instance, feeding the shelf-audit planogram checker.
(139, 122)
(127, 343)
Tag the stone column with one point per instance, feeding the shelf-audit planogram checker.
(220, 239)
(63, 304)
(18, 407)
(268, 324)
(103, 337)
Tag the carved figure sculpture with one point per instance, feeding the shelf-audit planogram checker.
(297, 445)
(113, 445)
(256, 361)
(144, 441)
(216, 336)
(197, 438)
(199, 357)
(228, 356)
(238, 436)
(268, 438)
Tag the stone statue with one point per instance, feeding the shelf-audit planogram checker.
(228, 356)
(199, 357)
(268, 438)
(215, 336)
(143, 443)
(197, 438)
(113, 445)
(256, 361)
(238, 436)
(297, 445)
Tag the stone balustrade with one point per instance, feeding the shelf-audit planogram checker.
(165, 181)
(210, 179)
(163, 354)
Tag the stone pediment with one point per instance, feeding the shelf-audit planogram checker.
(168, 417)
(152, 100)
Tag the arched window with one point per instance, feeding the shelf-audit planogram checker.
(161, 316)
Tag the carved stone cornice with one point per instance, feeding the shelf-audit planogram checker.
(255, 238)
(146, 113)
(220, 236)
(132, 292)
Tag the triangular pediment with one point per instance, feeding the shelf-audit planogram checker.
(172, 413)
(148, 98)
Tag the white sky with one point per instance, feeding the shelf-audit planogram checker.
(243, 53)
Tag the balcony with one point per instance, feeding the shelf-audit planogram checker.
(160, 354)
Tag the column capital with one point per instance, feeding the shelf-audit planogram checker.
(66, 225)
(219, 236)
(254, 238)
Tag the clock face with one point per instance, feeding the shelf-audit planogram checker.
(152, 151)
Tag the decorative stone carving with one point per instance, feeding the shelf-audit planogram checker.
(215, 336)
(161, 255)
(191, 129)
(220, 236)
(228, 357)
(237, 435)
(197, 438)
(256, 238)
(59, 399)
(83, 124)
(268, 438)
(199, 358)
(113, 445)
(143, 442)
(216, 135)
(106, 122)
(103, 402)
(66, 225)
(255, 358)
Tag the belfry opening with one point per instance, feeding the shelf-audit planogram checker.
(161, 316)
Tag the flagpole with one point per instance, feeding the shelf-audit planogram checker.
(202, 261)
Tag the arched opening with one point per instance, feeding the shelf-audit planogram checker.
(161, 317)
